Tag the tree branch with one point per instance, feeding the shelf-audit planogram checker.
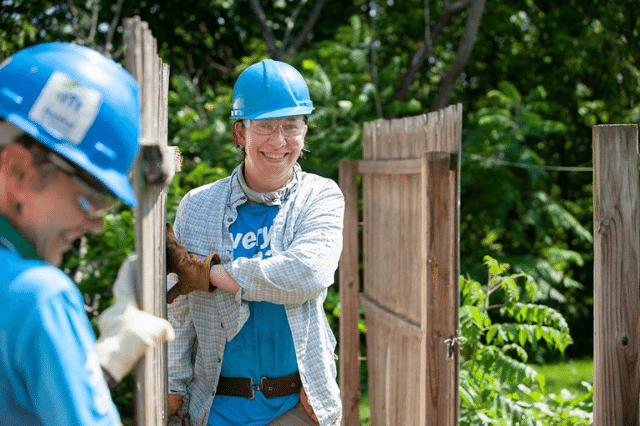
(459, 5)
(74, 12)
(195, 80)
(447, 12)
(277, 52)
(308, 26)
(374, 62)
(425, 46)
(94, 21)
(427, 25)
(290, 23)
(462, 57)
(113, 25)
(267, 34)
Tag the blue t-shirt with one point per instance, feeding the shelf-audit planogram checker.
(264, 346)
(49, 369)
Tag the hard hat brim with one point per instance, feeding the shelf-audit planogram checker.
(280, 113)
(113, 180)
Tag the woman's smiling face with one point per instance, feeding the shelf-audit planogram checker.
(269, 158)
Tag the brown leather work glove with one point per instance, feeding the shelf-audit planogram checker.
(193, 273)
(176, 415)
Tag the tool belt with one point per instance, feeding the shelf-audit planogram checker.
(270, 388)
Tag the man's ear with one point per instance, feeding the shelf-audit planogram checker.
(16, 164)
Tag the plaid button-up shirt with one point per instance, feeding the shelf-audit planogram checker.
(306, 241)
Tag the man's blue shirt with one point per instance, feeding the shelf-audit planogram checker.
(49, 370)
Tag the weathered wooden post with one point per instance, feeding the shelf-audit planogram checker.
(441, 272)
(616, 311)
(154, 167)
(349, 291)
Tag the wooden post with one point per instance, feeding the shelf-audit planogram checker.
(615, 224)
(441, 273)
(154, 167)
(349, 291)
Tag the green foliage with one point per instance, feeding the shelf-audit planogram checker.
(95, 263)
(580, 55)
(343, 95)
(511, 205)
(332, 309)
(497, 386)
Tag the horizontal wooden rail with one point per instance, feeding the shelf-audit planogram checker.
(391, 167)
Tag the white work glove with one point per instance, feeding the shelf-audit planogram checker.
(125, 331)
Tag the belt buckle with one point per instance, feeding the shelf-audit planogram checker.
(256, 386)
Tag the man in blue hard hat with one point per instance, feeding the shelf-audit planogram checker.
(253, 345)
(69, 124)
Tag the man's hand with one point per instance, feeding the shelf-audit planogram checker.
(175, 410)
(193, 273)
(125, 331)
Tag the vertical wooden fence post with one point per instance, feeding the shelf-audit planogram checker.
(616, 312)
(154, 167)
(440, 275)
(349, 293)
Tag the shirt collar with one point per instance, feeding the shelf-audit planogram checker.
(13, 240)
(274, 198)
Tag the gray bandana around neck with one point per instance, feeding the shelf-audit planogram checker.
(272, 198)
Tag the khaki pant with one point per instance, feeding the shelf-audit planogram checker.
(294, 417)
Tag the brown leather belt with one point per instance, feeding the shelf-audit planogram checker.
(270, 388)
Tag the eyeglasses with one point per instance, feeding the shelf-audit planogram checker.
(92, 202)
(290, 126)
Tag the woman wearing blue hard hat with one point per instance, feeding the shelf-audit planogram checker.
(253, 346)
(69, 123)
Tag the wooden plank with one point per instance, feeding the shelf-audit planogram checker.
(153, 78)
(402, 325)
(349, 306)
(615, 224)
(391, 251)
(394, 366)
(398, 141)
(367, 140)
(377, 371)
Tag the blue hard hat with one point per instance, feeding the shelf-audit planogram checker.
(270, 89)
(78, 103)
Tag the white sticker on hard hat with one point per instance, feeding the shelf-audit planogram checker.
(65, 108)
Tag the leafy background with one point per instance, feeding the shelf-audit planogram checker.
(533, 79)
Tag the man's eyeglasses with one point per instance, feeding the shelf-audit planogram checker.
(290, 126)
(92, 202)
